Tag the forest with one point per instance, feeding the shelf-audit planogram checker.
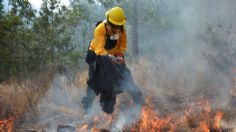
(177, 50)
(58, 35)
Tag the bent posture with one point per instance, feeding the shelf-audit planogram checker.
(108, 74)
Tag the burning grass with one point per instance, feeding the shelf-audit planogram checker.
(197, 117)
(169, 105)
(18, 96)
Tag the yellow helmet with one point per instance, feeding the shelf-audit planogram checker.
(116, 16)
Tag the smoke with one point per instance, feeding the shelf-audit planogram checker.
(60, 109)
(192, 54)
(187, 52)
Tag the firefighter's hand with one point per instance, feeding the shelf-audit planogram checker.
(120, 60)
(90, 57)
(112, 58)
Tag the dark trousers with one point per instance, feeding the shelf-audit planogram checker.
(108, 104)
(108, 95)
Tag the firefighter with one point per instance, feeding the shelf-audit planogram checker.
(108, 74)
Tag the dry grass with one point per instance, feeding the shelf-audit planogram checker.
(145, 76)
(81, 78)
(18, 96)
(184, 88)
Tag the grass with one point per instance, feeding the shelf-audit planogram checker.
(17, 96)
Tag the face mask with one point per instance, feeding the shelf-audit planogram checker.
(115, 37)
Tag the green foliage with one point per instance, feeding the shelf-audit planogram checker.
(1, 8)
(57, 34)
(29, 41)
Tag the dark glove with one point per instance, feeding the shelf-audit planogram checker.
(90, 57)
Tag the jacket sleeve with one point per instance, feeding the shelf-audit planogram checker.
(98, 41)
(122, 44)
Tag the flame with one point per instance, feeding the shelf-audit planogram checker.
(198, 118)
(150, 120)
(83, 128)
(204, 127)
(98, 121)
(109, 119)
(6, 125)
(99, 130)
(218, 117)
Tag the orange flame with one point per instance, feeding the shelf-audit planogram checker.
(197, 118)
(218, 117)
(84, 128)
(150, 120)
(204, 127)
(97, 121)
(6, 125)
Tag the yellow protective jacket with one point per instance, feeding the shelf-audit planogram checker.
(98, 42)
